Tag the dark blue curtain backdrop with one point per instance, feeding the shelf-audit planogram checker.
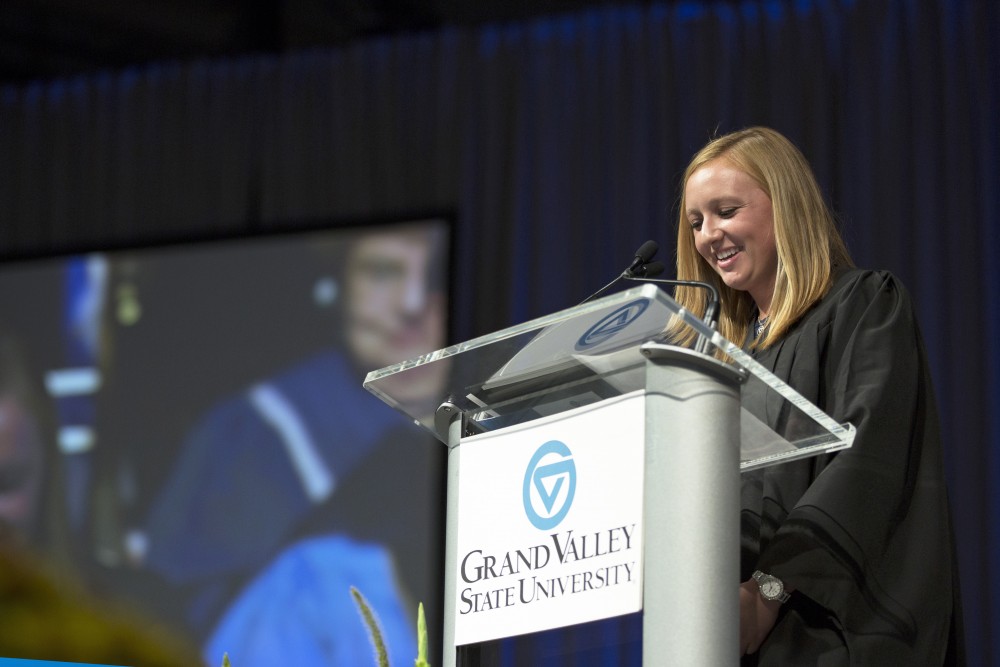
(558, 143)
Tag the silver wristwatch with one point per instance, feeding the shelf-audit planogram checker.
(771, 588)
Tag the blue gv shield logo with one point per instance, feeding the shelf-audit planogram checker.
(549, 485)
(609, 325)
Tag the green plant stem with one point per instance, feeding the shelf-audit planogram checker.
(381, 655)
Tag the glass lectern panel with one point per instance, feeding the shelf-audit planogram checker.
(596, 351)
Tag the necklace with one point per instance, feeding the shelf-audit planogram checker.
(759, 324)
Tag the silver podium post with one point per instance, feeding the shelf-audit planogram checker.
(691, 512)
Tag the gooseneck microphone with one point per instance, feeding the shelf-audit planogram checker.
(640, 264)
(711, 310)
(642, 270)
(647, 271)
(711, 317)
(642, 256)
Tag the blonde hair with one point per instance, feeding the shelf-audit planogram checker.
(808, 243)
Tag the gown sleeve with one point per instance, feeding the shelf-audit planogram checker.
(867, 543)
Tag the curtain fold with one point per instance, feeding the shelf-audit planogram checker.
(558, 143)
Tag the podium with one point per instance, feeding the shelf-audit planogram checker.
(593, 471)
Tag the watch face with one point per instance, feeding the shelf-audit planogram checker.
(771, 588)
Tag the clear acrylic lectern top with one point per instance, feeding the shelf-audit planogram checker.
(596, 351)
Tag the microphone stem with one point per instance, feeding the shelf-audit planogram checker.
(711, 310)
(604, 289)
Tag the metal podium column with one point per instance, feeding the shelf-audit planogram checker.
(449, 423)
(691, 509)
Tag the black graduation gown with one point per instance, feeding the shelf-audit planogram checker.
(863, 536)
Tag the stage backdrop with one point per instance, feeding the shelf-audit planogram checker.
(559, 143)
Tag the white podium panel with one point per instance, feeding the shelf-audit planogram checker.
(550, 522)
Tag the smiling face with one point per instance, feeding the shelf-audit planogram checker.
(733, 226)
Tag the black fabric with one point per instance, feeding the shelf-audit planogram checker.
(863, 536)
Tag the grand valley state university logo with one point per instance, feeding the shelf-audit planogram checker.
(513, 579)
(549, 485)
(610, 325)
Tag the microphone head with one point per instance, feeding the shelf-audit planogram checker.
(649, 270)
(646, 251)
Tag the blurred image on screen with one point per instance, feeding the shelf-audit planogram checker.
(185, 427)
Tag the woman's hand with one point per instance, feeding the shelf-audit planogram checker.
(757, 617)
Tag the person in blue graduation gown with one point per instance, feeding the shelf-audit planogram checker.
(308, 453)
(845, 558)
